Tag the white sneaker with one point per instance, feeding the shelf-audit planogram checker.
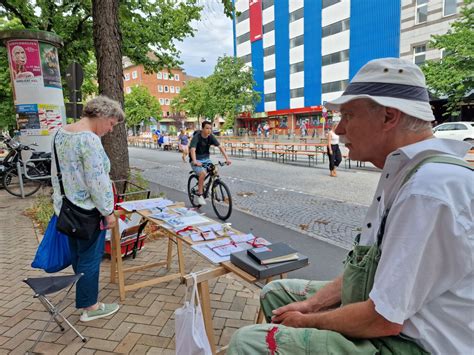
(104, 310)
(200, 200)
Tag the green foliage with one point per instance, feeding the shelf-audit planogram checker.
(228, 91)
(7, 111)
(195, 99)
(232, 87)
(453, 75)
(140, 105)
(41, 211)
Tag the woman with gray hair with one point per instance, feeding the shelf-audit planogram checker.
(84, 167)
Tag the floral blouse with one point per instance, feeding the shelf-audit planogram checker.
(85, 169)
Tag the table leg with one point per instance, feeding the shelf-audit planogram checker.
(180, 256)
(117, 255)
(169, 256)
(203, 289)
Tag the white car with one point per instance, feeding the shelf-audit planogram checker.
(461, 131)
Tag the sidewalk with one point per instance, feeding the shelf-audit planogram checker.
(143, 325)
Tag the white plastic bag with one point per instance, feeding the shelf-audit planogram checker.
(191, 337)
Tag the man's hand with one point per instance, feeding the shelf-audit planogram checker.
(197, 163)
(293, 319)
(302, 307)
(228, 162)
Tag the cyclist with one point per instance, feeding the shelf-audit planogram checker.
(199, 155)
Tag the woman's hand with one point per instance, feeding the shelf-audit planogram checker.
(110, 221)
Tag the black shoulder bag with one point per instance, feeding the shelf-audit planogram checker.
(74, 221)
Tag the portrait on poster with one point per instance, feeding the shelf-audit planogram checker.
(25, 62)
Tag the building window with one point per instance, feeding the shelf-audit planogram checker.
(337, 57)
(266, 4)
(297, 41)
(269, 74)
(298, 92)
(243, 38)
(165, 76)
(167, 88)
(127, 76)
(247, 58)
(243, 16)
(167, 101)
(297, 67)
(270, 97)
(159, 75)
(178, 89)
(160, 88)
(176, 77)
(134, 74)
(419, 54)
(162, 101)
(297, 14)
(449, 7)
(128, 90)
(268, 51)
(334, 86)
(268, 27)
(172, 89)
(336, 27)
(171, 76)
(421, 11)
(327, 3)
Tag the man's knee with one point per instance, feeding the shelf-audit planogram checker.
(272, 287)
(247, 340)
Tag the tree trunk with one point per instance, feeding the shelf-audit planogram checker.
(108, 52)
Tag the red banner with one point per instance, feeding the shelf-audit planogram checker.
(255, 16)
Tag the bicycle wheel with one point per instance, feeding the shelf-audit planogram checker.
(221, 200)
(11, 182)
(192, 189)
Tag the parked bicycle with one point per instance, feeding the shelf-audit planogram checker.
(33, 173)
(213, 185)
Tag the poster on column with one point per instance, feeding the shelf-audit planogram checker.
(49, 117)
(27, 117)
(50, 66)
(25, 63)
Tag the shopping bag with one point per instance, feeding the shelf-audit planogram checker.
(53, 253)
(191, 337)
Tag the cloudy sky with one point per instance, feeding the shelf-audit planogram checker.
(212, 39)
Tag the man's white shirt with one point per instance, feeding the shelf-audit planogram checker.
(425, 277)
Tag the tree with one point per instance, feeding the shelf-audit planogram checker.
(232, 87)
(453, 75)
(140, 106)
(195, 99)
(146, 26)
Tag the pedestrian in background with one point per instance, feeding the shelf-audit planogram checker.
(183, 141)
(85, 171)
(334, 152)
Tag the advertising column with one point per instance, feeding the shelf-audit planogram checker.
(36, 83)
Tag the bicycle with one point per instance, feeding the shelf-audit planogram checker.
(30, 178)
(220, 193)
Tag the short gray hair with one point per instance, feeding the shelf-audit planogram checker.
(407, 123)
(103, 107)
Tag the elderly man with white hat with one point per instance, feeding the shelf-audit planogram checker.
(408, 283)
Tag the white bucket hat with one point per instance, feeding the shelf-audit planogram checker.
(391, 82)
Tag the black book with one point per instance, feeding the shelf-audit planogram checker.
(242, 260)
(273, 253)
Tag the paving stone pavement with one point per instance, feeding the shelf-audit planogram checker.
(143, 325)
(304, 199)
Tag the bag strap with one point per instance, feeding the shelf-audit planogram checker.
(442, 159)
(58, 168)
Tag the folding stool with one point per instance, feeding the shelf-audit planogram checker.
(43, 286)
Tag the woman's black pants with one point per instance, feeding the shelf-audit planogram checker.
(335, 158)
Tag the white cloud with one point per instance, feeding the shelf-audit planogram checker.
(213, 38)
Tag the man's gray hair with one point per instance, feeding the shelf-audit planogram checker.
(103, 107)
(407, 123)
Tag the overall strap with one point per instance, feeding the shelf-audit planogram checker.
(443, 159)
(58, 169)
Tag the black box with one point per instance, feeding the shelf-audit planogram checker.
(242, 260)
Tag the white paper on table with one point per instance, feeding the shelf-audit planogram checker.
(210, 255)
(183, 211)
(162, 215)
(145, 204)
(211, 227)
(241, 238)
(196, 237)
(209, 235)
(224, 247)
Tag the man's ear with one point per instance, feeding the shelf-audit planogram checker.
(392, 118)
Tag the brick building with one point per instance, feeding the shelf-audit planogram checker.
(164, 85)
